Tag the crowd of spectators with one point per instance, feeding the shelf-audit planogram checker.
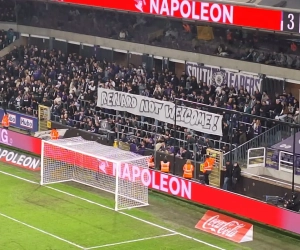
(7, 14)
(242, 44)
(7, 11)
(6, 38)
(68, 84)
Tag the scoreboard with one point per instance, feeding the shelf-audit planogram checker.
(290, 22)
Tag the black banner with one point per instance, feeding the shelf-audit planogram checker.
(105, 139)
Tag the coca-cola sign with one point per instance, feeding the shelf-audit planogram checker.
(226, 227)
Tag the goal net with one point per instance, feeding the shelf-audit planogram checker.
(90, 163)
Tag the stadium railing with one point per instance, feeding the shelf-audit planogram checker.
(266, 139)
(180, 141)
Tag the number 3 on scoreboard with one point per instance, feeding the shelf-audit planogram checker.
(290, 22)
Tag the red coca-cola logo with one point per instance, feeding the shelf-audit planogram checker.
(228, 229)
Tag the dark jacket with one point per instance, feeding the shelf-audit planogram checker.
(228, 170)
(236, 172)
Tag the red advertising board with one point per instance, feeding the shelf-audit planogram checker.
(195, 10)
(190, 190)
(20, 141)
(226, 227)
(20, 160)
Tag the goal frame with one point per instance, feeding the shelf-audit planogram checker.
(117, 172)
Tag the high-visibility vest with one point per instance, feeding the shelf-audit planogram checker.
(188, 170)
(5, 121)
(151, 162)
(208, 164)
(165, 167)
(54, 135)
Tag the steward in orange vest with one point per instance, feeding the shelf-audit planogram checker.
(207, 168)
(165, 166)
(151, 162)
(5, 121)
(54, 134)
(188, 170)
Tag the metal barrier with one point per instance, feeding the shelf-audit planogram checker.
(19, 109)
(181, 140)
(266, 139)
(273, 181)
(256, 157)
(283, 163)
(272, 157)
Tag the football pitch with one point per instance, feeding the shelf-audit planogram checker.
(71, 216)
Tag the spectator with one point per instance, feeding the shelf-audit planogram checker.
(228, 175)
(236, 175)
(284, 112)
(256, 126)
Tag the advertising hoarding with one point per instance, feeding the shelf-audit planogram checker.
(20, 141)
(21, 121)
(20, 160)
(268, 19)
(226, 227)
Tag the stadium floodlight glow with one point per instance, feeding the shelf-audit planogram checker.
(98, 166)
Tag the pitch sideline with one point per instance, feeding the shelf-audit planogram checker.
(131, 241)
(103, 206)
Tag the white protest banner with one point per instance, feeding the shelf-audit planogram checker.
(198, 120)
(216, 76)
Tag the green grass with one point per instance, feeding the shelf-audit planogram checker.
(86, 224)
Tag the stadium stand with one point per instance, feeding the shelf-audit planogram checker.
(8, 14)
(68, 85)
(51, 78)
(67, 82)
(254, 46)
(7, 10)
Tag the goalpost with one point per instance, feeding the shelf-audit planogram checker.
(90, 163)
